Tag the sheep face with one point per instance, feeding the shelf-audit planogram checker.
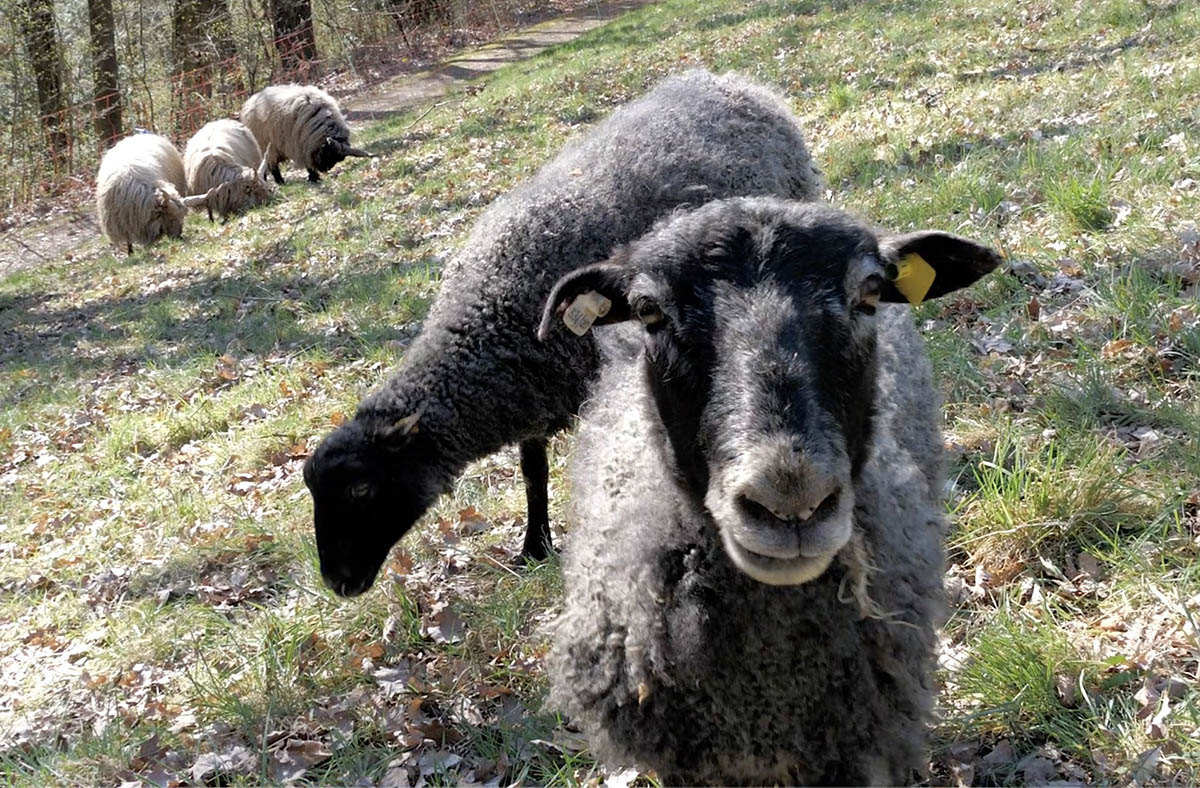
(353, 480)
(333, 151)
(168, 216)
(759, 353)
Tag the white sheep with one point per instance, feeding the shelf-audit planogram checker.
(753, 579)
(139, 191)
(226, 171)
(302, 123)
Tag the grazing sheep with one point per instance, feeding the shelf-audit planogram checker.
(302, 123)
(753, 579)
(476, 379)
(220, 161)
(138, 191)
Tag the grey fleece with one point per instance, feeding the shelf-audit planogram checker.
(672, 659)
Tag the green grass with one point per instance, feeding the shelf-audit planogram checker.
(159, 592)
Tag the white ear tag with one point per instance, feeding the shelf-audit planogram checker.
(584, 311)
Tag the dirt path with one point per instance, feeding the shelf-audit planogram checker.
(402, 93)
(59, 238)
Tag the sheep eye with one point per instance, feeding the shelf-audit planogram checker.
(868, 299)
(359, 491)
(649, 313)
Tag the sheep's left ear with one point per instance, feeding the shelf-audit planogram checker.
(595, 294)
(929, 264)
(264, 167)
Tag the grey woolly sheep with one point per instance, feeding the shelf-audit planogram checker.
(138, 191)
(302, 123)
(225, 169)
(753, 575)
(476, 379)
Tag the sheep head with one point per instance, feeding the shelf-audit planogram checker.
(369, 483)
(759, 339)
(332, 151)
(167, 215)
(245, 191)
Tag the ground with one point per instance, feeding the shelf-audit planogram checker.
(161, 613)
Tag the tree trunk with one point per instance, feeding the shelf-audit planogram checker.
(294, 40)
(41, 44)
(106, 93)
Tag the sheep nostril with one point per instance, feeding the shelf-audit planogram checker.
(755, 510)
(798, 509)
(827, 506)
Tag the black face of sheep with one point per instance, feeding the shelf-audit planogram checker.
(353, 485)
(332, 152)
(760, 352)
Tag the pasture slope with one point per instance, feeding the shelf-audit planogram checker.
(161, 615)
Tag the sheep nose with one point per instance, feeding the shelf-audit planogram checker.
(790, 499)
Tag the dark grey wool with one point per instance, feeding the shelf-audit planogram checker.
(476, 379)
(758, 341)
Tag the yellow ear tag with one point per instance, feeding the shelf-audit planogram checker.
(914, 277)
(584, 310)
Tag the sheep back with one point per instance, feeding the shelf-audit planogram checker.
(138, 190)
(217, 153)
(476, 370)
(294, 121)
(671, 658)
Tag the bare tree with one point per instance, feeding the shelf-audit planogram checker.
(294, 40)
(36, 18)
(106, 93)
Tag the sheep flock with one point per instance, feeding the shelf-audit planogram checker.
(144, 188)
(753, 562)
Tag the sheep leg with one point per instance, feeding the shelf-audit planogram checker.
(129, 245)
(210, 218)
(536, 472)
(313, 176)
(276, 174)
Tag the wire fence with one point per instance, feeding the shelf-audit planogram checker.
(53, 155)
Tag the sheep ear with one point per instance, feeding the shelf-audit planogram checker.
(595, 294)
(358, 152)
(404, 427)
(264, 168)
(195, 200)
(929, 264)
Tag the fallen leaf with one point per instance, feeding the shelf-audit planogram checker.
(1115, 347)
(1039, 771)
(237, 760)
(393, 679)
(443, 625)
(1001, 755)
(1145, 766)
(290, 762)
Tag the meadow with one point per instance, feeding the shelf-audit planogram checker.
(162, 617)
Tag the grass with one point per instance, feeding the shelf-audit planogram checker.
(159, 593)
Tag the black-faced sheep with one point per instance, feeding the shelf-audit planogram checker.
(476, 379)
(753, 575)
(139, 191)
(302, 123)
(226, 172)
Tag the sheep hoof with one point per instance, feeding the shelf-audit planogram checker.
(313, 177)
(532, 558)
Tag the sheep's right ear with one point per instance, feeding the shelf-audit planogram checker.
(195, 200)
(595, 294)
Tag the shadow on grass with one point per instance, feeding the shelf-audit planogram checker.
(255, 311)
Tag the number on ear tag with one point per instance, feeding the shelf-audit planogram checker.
(914, 277)
(584, 311)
